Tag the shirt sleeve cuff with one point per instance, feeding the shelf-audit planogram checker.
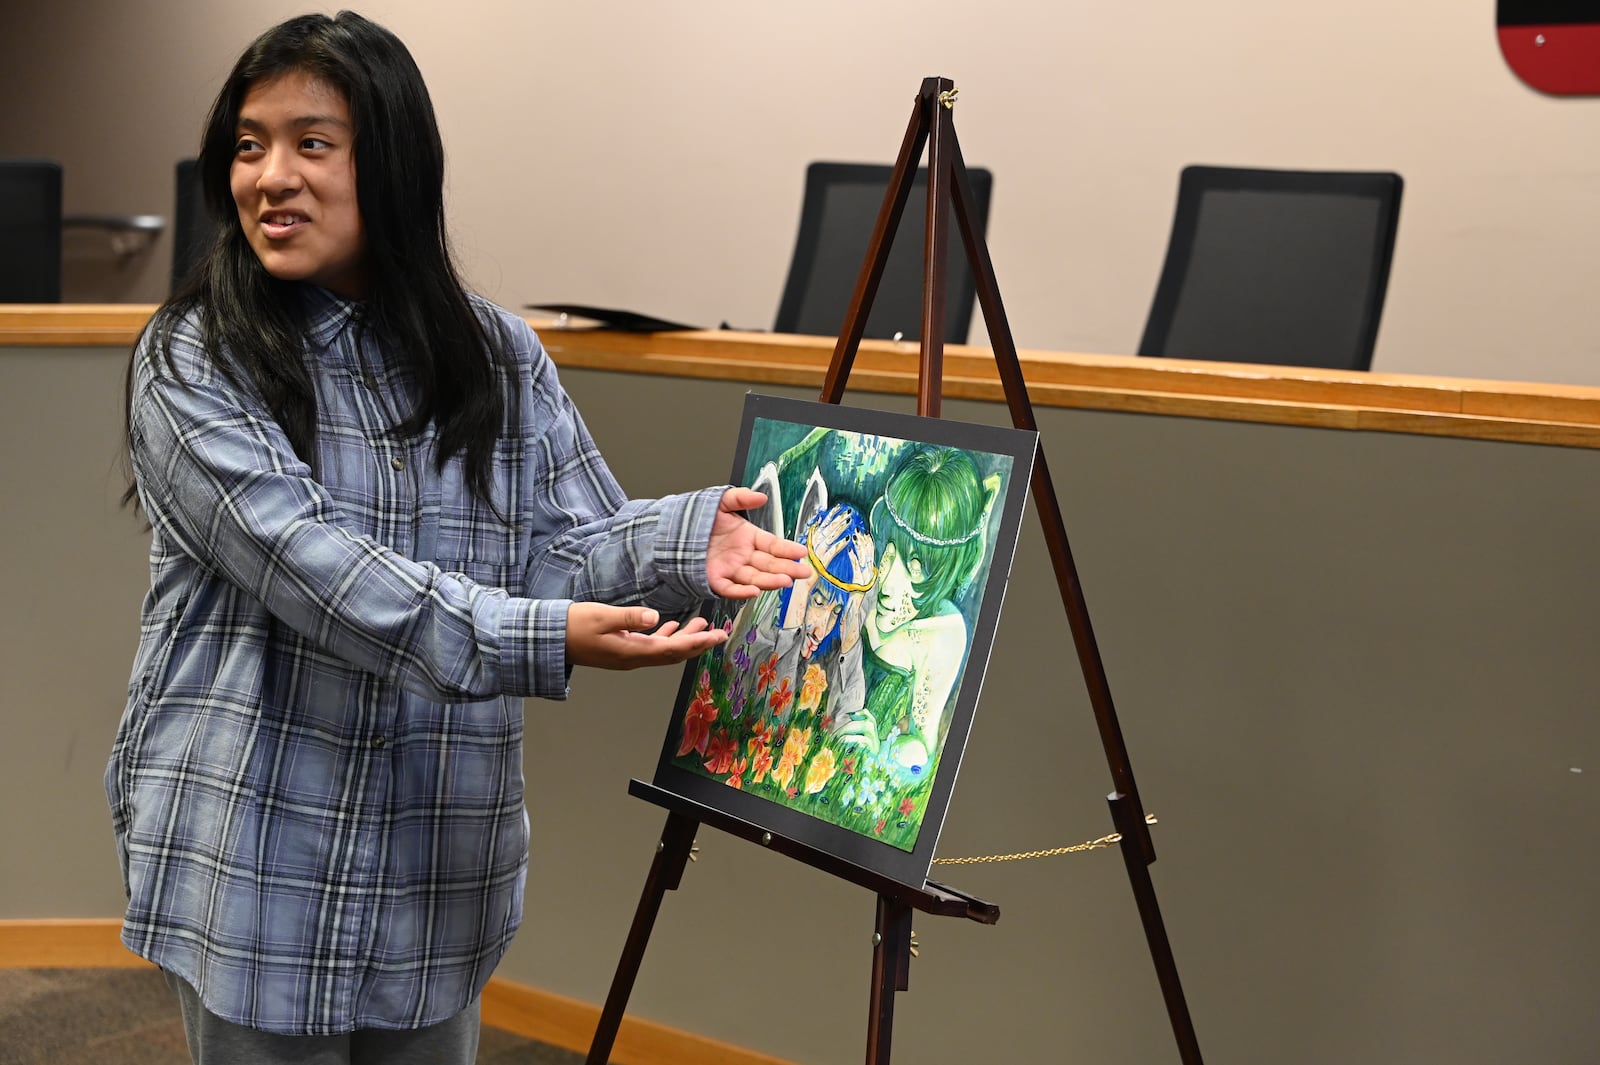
(683, 534)
(533, 648)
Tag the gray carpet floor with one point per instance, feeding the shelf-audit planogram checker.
(130, 1017)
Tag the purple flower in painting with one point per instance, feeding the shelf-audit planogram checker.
(736, 696)
(741, 659)
(750, 637)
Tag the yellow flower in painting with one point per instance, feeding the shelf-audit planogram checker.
(795, 744)
(812, 687)
(820, 771)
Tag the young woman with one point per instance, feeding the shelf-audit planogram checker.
(377, 524)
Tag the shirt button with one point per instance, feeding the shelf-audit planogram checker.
(398, 463)
(378, 741)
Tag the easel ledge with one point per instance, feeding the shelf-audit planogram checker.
(937, 899)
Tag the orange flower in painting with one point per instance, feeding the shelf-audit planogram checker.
(720, 753)
(763, 764)
(760, 736)
(812, 687)
(794, 749)
(780, 699)
(820, 771)
(737, 779)
(766, 673)
(795, 744)
(697, 723)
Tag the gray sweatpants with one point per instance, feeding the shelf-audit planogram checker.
(214, 1041)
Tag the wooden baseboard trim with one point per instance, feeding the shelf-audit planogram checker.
(570, 1024)
(517, 1008)
(65, 944)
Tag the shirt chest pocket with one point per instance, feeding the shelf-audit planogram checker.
(469, 537)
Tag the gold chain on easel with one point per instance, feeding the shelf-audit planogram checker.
(1089, 845)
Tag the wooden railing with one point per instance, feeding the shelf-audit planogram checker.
(1559, 415)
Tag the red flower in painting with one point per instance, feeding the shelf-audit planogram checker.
(906, 806)
(762, 765)
(850, 764)
(766, 673)
(737, 779)
(697, 723)
(719, 753)
(780, 699)
(879, 827)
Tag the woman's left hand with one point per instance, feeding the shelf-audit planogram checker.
(743, 560)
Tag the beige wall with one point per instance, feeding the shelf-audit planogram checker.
(650, 155)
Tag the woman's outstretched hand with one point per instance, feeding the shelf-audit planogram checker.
(744, 560)
(619, 637)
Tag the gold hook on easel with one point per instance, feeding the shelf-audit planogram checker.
(948, 98)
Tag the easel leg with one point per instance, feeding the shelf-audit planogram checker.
(891, 972)
(1125, 816)
(666, 872)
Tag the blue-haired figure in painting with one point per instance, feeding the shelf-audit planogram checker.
(805, 641)
(930, 528)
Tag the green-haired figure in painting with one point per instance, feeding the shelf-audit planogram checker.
(930, 528)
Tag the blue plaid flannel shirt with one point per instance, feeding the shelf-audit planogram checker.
(316, 787)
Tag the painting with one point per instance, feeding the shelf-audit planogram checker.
(837, 710)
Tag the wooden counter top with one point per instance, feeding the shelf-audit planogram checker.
(1559, 415)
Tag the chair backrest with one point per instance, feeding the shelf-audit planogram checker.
(1276, 266)
(30, 231)
(193, 228)
(841, 205)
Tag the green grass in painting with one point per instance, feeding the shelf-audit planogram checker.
(784, 753)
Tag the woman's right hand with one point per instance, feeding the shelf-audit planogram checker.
(619, 637)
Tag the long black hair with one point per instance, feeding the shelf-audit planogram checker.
(253, 328)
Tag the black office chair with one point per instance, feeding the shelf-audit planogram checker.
(1276, 266)
(30, 231)
(841, 205)
(193, 228)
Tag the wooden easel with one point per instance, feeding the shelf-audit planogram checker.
(948, 187)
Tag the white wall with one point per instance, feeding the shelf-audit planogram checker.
(651, 155)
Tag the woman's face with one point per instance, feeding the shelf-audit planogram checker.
(898, 578)
(294, 183)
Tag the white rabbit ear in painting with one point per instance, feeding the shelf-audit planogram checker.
(769, 515)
